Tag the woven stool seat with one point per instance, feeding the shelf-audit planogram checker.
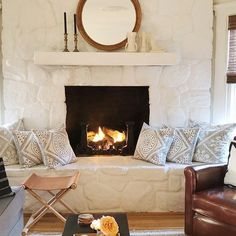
(49, 184)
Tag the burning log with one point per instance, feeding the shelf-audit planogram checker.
(106, 139)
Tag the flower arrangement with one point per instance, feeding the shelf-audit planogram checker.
(107, 225)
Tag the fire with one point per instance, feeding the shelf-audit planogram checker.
(105, 138)
(116, 135)
(99, 136)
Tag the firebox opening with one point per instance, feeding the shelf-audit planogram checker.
(105, 120)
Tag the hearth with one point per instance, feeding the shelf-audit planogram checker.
(105, 120)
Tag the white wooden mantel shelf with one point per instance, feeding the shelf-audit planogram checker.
(105, 58)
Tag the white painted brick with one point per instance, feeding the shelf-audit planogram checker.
(96, 193)
(15, 69)
(196, 98)
(61, 77)
(80, 76)
(36, 117)
(200, 114)
(174, 76)
(12, 115)
(174, 183)
(202, 11)
(57, 115)
(19, 94)
(38, 75)
(176, 117)
(200, 77)
(176, 7)
(170, 96)
(137, 193)
(182, 25)
(51, 94)
(197, 46)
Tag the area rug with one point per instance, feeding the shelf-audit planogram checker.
(177, 232)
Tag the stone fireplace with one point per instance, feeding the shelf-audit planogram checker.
(116, 113)
(37, 93)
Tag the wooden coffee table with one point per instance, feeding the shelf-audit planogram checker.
(72, 227)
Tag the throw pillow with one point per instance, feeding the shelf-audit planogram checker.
(56, 147)
(183, 145)
(28, 149)
(5, 189)
(153, 144)
(7, 146)
(230, 177)
(213, 143)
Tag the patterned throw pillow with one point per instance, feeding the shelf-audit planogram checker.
(7, 146)
(183, 145)
(230, 177)
(56, 147)
(28, 149)
(213, 143)
(153, 144)
(5, 189)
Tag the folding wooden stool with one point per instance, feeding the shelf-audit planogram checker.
(43, 183)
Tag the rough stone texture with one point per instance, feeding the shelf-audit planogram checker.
(37, 92)
(115, 184)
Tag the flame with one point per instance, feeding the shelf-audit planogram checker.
(116, 135)
(99, 136)
(108, 135)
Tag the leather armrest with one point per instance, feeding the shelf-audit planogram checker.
(198, 178)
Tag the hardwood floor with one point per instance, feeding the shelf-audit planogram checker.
(49, 223)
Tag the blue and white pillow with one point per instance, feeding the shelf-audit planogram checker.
(183, 146)
(153, 144)
(213, 143)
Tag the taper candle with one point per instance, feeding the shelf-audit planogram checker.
(75, 30)
(65, 23)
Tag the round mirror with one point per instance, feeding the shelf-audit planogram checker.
(105, 23)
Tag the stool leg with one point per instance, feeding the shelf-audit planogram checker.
(59, 195)
(42, 211)
(49, 202)
(64, 204)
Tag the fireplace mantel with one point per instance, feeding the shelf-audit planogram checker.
(105, 58)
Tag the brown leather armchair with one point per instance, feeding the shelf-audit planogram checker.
(210, 207)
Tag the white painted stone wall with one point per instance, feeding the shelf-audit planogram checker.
(114, 184)
(36, 93)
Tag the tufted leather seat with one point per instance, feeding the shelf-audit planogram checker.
(210, 207)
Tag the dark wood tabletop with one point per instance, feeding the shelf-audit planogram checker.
(72, 227)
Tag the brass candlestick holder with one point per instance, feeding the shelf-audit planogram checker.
(76, 42)
(66, 43)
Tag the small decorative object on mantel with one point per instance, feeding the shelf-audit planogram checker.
(106, 225)
(131, 45)
(65, 34)
(153, 45)
(75, 35)
(144, 42)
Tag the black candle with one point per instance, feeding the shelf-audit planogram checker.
(65, 24)
(75, 30)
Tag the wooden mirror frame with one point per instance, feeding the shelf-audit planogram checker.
(97, 45)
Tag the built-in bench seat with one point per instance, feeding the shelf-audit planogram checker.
(114, 183)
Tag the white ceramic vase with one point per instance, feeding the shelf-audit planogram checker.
(144, 42)
(131, 45)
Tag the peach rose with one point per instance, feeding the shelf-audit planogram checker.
(108, 226)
